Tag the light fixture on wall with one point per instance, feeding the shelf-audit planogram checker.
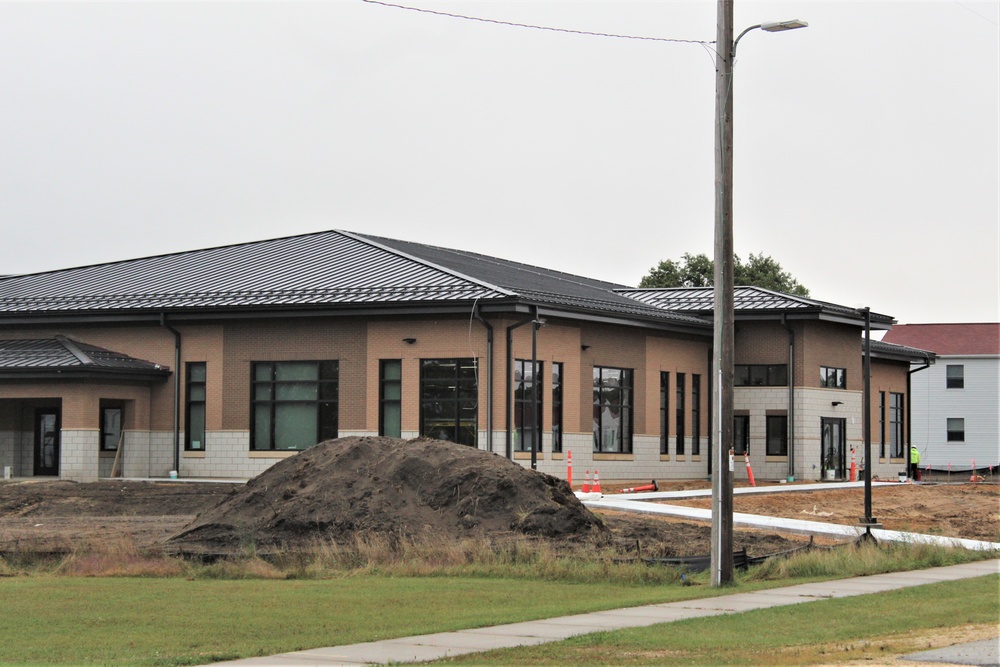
(836, 403)
(409, 341)
(584, 347)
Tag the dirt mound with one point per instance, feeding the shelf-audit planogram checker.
(418, 488)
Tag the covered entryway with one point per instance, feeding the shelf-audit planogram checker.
(834, 448)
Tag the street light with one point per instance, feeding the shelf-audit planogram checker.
(724, 312)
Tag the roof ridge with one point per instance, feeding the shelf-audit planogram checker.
(72, 348)
(361, 238)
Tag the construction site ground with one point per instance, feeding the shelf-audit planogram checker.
(62, 516)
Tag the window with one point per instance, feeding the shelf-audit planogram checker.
(956, 429)
(111, 427)
(741, 434)
(881, 424)
(761, 375)
(449, 400)
(612, 410)
(294, 404)
(680, 414)
(695, 415)
(835, 378)
(194, 415)
(390, 398)
(896, 425)
(527, 405)
(777, 435)
(955, 376)
(664, 414)
(557, 406)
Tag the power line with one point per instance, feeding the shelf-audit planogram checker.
(537, 27)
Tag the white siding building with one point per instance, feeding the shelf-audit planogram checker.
(955, 404)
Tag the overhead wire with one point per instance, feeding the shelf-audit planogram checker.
(513, 24)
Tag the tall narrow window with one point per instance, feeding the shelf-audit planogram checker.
(695, 415)
(612, 410)
(881, 424)
(449, 400)
(777, 435)
(194, 415)
(741, 434)
(527, 405)
(111, 427)
(294, 404)
(664, 413)
(679, 403)
(955, 376)
(896, 431)
(390, 398)
(557, 406)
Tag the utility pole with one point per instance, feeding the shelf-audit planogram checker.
(724, 312)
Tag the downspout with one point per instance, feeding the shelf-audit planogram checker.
(489, 378)
(510, 376)
(791, 397)
(177, 391)
(909, 410)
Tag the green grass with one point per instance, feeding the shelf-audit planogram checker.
(867, 627)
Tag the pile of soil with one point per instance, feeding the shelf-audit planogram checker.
(421, 488)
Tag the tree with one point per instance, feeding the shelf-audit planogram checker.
(699, 271)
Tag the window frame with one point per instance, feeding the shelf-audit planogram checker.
(739, 448)
(459, 426)
(776, 433)
(664, 413)
(897, 425)
(695, 414)
(952, 433)
(832, 377)
(385, 382)
(189, 403)
(522, 403)
(326, 401)
(625, 389)
(105, 407)
(557, 406)
(679, 407)
(956, 380)
(774, 375)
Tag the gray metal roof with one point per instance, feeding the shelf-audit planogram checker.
(64, 355)
(885, 350)
(747, 301)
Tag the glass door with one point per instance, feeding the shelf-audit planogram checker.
(46, 441)
(834, 444)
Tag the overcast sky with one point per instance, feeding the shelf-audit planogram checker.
(866, 149)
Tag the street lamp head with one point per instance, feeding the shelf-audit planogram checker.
(779, 26)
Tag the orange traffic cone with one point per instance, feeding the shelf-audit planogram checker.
(854, 467)
(746, 457)
(586, 483)
(645, 487)
(596, 488)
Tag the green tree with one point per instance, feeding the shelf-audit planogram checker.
(699, 271)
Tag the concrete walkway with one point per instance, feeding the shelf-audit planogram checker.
(445, 644)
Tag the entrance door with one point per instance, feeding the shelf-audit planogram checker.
(834, 448)
(46, 441)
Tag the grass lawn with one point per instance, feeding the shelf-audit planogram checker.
(175, 621)
(869, 627)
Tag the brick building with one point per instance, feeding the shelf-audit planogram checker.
(220, 362)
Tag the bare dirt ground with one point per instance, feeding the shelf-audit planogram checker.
(428, 488)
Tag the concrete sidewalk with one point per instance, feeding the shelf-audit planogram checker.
(445, 644)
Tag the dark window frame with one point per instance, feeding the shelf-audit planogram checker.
(955, 380)
(695, 414)
(881, 424)
(459, 387)
(741, 425)
(557, 406)
(112, 406)
(760, 375)
(680, 406)
(953, 433)
(326, 401)
(195, 387)
(526, 406)
(776, 443)
(832, 377)
(897, 431)
(625, 405)
(664, 413)
(395, 385)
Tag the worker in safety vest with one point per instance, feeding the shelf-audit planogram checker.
(914, 464)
